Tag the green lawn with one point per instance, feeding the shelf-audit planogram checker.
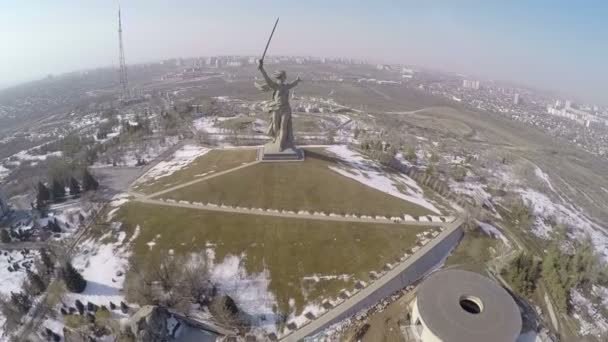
(308, 185)
(215, 160)
(472, 252)
(289, 249)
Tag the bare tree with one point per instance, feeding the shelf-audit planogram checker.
(175, 281)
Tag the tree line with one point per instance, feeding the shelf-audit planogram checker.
(566, 264)
(56, 190)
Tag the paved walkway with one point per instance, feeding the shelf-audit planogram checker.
(17, 245)
(284, 214)
(183, 185)
(323, 321)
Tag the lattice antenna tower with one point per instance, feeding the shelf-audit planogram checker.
(123, 66)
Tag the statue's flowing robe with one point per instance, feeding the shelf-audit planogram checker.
(280, 128)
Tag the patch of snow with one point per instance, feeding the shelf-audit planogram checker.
(544, 177)
(249, 291)
(544, 207)
(12, 281)
(147, 150)
(365, 171)
(101, 265)
(472, 189)
(54, 325)
(119, 200)
(601, 292)
(590, 319)
(24, 155)
(493, 232)
(181, 158)
(207, 124)
(3, 172)
(316, 309)
(317, 278)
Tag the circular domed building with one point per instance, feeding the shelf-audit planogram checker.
(462, 306)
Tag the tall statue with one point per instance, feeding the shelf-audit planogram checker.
(280, 128)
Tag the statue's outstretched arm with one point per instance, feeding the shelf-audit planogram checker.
(294, 83)
(268, 80)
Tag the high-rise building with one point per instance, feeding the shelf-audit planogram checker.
(470, 84)
(516, 99)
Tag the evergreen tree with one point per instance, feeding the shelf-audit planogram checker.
(5, 237)
(21, 302)
(73, 280)
(53, 226)
(36, 285)
(43, 196)
(57, 190)
(74, 187)
(47, 261)
(79, 306)
(523, 274)
(88, 182)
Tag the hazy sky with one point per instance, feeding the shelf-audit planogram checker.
(553, 44)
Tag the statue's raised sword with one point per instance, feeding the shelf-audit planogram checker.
(269, 39)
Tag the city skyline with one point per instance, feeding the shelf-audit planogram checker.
(549, 45)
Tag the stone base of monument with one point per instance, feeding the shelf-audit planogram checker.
(270, 153)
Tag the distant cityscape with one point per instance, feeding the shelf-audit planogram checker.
(585, 125)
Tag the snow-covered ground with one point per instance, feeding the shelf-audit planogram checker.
(103, 266)
(85, 121)
(249, 291)
(3, 172)
(591, 321)
(26, 156)
(553, 205)
(367, 172)
(147, 150)
(182, 157)
(493, 232)
(12, 280)
(207, 124)
(544, 201)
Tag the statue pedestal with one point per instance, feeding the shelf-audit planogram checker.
(270, 153)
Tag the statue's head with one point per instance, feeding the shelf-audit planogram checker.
(280, 75)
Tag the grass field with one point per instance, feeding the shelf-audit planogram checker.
(215, 160)
(303, 123)
(308, 185)
(472, 252)
(289, 249)
(238, 123)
